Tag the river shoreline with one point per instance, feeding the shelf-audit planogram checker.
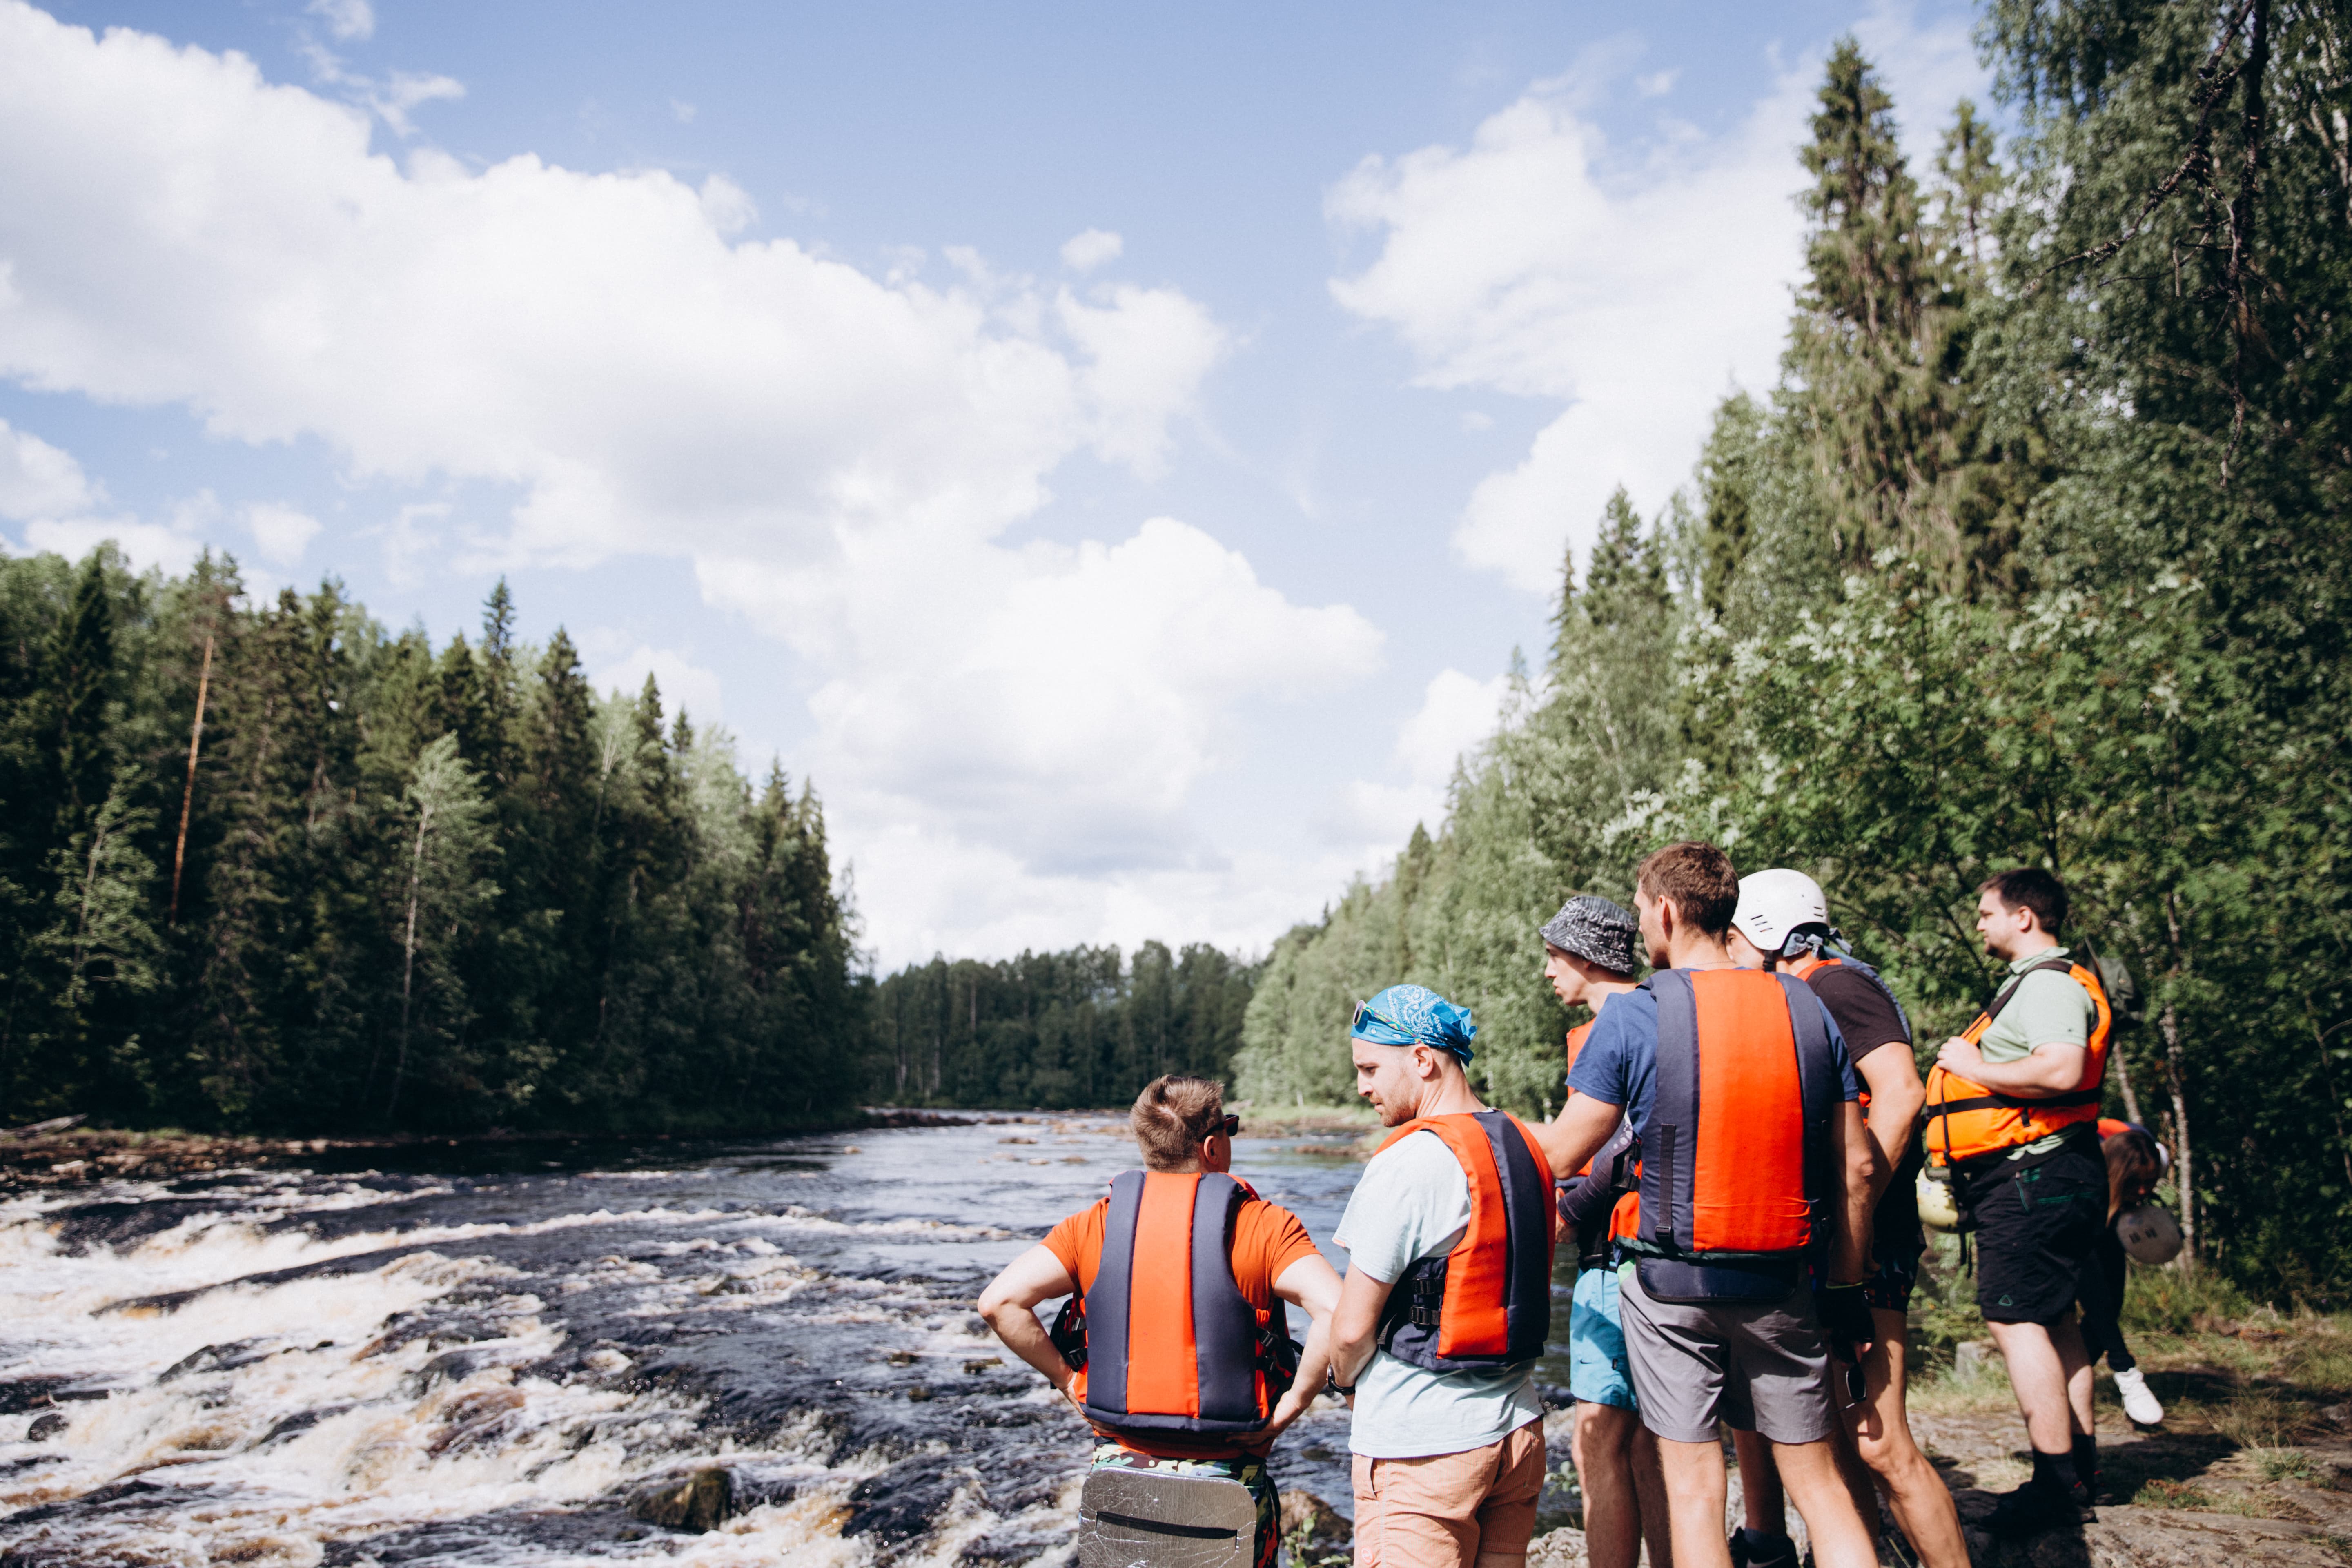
(32, 1160)
(82, 1154)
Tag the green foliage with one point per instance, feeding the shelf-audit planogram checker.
(2037, 555)
(1056, 1029)
(435, 889)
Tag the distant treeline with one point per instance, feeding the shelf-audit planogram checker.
(2039, 553)
(408, 888)
(1074, 1028)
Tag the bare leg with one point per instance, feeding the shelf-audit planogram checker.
(1810, 1471)
(1696, 1484)
(1602, 1444)
(1882, 1433)
(1860, 1485)
(1764, 1505)
(2066, 1335)
(2044, 1365)
(1650, 1486)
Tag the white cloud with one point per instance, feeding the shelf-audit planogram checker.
(1657, 84)
(347, 19)
(685, 686)
(1061, 702)
(1456, 715)
(37, 480)
(1636, 285)
(1085, 252)
(1147, 349)
(837, 454)
(280, 533)
(1524, 263)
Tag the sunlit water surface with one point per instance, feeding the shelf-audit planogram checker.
(484, 1362)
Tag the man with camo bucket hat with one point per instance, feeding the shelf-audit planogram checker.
(1589, 956)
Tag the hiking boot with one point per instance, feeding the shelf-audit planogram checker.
(2035, 1505)
(1762, 1549)
(2138, 1403)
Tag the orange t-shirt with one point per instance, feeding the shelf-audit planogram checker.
(1267, 1239)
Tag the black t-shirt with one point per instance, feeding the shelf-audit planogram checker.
(1866, 1015)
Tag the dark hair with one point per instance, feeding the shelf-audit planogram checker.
(1173, 1116)
(2030, 887)
(2133, 1168)
(1698, 878)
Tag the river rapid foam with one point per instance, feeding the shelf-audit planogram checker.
(489, 1363)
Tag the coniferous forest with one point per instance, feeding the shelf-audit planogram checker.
(397, 887)
(1081, 1027)
(2037, 552)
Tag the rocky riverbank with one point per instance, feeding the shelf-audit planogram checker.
(66, 1152)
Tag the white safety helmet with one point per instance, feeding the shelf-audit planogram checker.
(2149, 1234)
(1774, 903)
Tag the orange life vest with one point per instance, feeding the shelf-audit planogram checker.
(1735, 1147)
(1966, 1120)
(1487, 1303)
(1170, 1344)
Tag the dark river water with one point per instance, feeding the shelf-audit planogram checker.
(485, 1362)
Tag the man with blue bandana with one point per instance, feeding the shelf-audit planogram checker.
(1448, 1463)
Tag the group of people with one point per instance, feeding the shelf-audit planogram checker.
(1734, 1162)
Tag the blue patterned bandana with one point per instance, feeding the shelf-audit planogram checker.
(1416, 1016)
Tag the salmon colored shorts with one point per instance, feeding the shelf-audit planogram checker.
(1472, 1510)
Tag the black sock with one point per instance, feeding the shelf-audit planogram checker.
(2087, 1461)
(2053, 1472)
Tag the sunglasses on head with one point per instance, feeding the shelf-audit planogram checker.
(1363, 1011)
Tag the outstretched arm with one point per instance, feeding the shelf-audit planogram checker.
(1569, 1139)
(1008, 1304)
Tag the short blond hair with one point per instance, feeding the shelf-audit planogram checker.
(1173, 1116)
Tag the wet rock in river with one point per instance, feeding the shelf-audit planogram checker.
(701, 1502)
(1309, 1520)
(45, 1428)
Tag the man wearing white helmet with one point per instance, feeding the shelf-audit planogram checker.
(1783, 922)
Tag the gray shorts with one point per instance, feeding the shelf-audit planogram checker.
(1760, 1369)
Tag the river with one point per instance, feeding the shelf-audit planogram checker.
(483, 1357)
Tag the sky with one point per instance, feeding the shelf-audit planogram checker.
(1114, 453)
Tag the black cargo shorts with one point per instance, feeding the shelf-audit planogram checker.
(2035, 1222)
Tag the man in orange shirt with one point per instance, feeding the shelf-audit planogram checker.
(1200, 1393)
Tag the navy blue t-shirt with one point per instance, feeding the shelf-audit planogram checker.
(1618, 1063)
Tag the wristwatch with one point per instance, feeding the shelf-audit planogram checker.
(1332, 1384)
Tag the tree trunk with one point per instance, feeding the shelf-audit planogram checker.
(408, 958)
(2184, 1158)
(188, 795)
(2123, 1082)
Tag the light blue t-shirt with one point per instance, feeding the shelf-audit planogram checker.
(1413, 1202)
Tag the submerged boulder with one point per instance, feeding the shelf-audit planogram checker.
(701, 1502)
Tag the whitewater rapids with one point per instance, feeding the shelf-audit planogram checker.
(487, 1362)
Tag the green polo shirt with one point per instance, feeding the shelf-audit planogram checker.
(2050, 1008)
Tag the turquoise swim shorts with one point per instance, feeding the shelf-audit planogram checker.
(1598, 1372)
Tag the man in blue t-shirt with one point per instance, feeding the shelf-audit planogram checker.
(1761, 1365)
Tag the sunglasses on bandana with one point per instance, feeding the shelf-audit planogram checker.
(1363, 1011)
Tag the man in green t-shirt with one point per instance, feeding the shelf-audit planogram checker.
(2011, 1108)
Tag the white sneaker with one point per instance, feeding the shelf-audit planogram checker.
(2138, 1403)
